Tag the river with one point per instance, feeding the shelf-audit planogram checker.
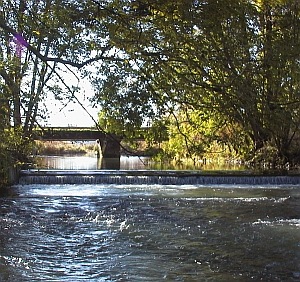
(91, 162)
(101, 232)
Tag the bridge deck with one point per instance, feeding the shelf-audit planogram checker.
(69, 133)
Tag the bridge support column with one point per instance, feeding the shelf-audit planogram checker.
(109, 147)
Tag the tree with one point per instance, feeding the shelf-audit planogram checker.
(226, 59)
(40, 40)
(229, 58)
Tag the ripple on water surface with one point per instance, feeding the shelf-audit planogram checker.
(150, 233)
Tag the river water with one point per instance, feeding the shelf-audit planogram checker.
(150, 233)
(135, 232)
(89, 162)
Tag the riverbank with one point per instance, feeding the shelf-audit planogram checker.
(54, 148)
(152, 159)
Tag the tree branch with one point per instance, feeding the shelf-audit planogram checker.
(53, 59)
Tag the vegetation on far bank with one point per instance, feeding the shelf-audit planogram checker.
(57, 148)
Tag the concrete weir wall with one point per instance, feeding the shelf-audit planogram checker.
(149, 177)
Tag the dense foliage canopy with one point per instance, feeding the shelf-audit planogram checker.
(220, 71)
(217, 74)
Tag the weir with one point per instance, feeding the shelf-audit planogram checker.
(139, 177)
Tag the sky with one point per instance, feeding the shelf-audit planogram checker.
(72, 114)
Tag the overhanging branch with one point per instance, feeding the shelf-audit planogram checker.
(54, 59)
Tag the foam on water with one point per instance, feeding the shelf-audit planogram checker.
(149, 177)
(150, 226)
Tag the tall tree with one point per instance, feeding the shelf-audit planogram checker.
(39, 40)
(228, 59)
(236, 58)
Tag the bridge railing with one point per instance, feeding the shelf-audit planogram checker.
(68, 133)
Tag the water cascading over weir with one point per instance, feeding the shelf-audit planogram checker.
(150, 177)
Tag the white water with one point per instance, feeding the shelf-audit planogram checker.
(139, 229)
(150, 233)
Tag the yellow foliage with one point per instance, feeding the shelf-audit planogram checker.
(263, 3)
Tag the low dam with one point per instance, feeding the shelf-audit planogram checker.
(168, 177)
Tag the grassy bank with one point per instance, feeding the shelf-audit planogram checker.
(52, 148)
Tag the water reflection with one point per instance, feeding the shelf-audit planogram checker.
(91, 162)
(108, 163)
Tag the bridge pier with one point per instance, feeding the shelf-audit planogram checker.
(108, 147)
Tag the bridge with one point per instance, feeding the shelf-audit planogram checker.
(108, 144)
